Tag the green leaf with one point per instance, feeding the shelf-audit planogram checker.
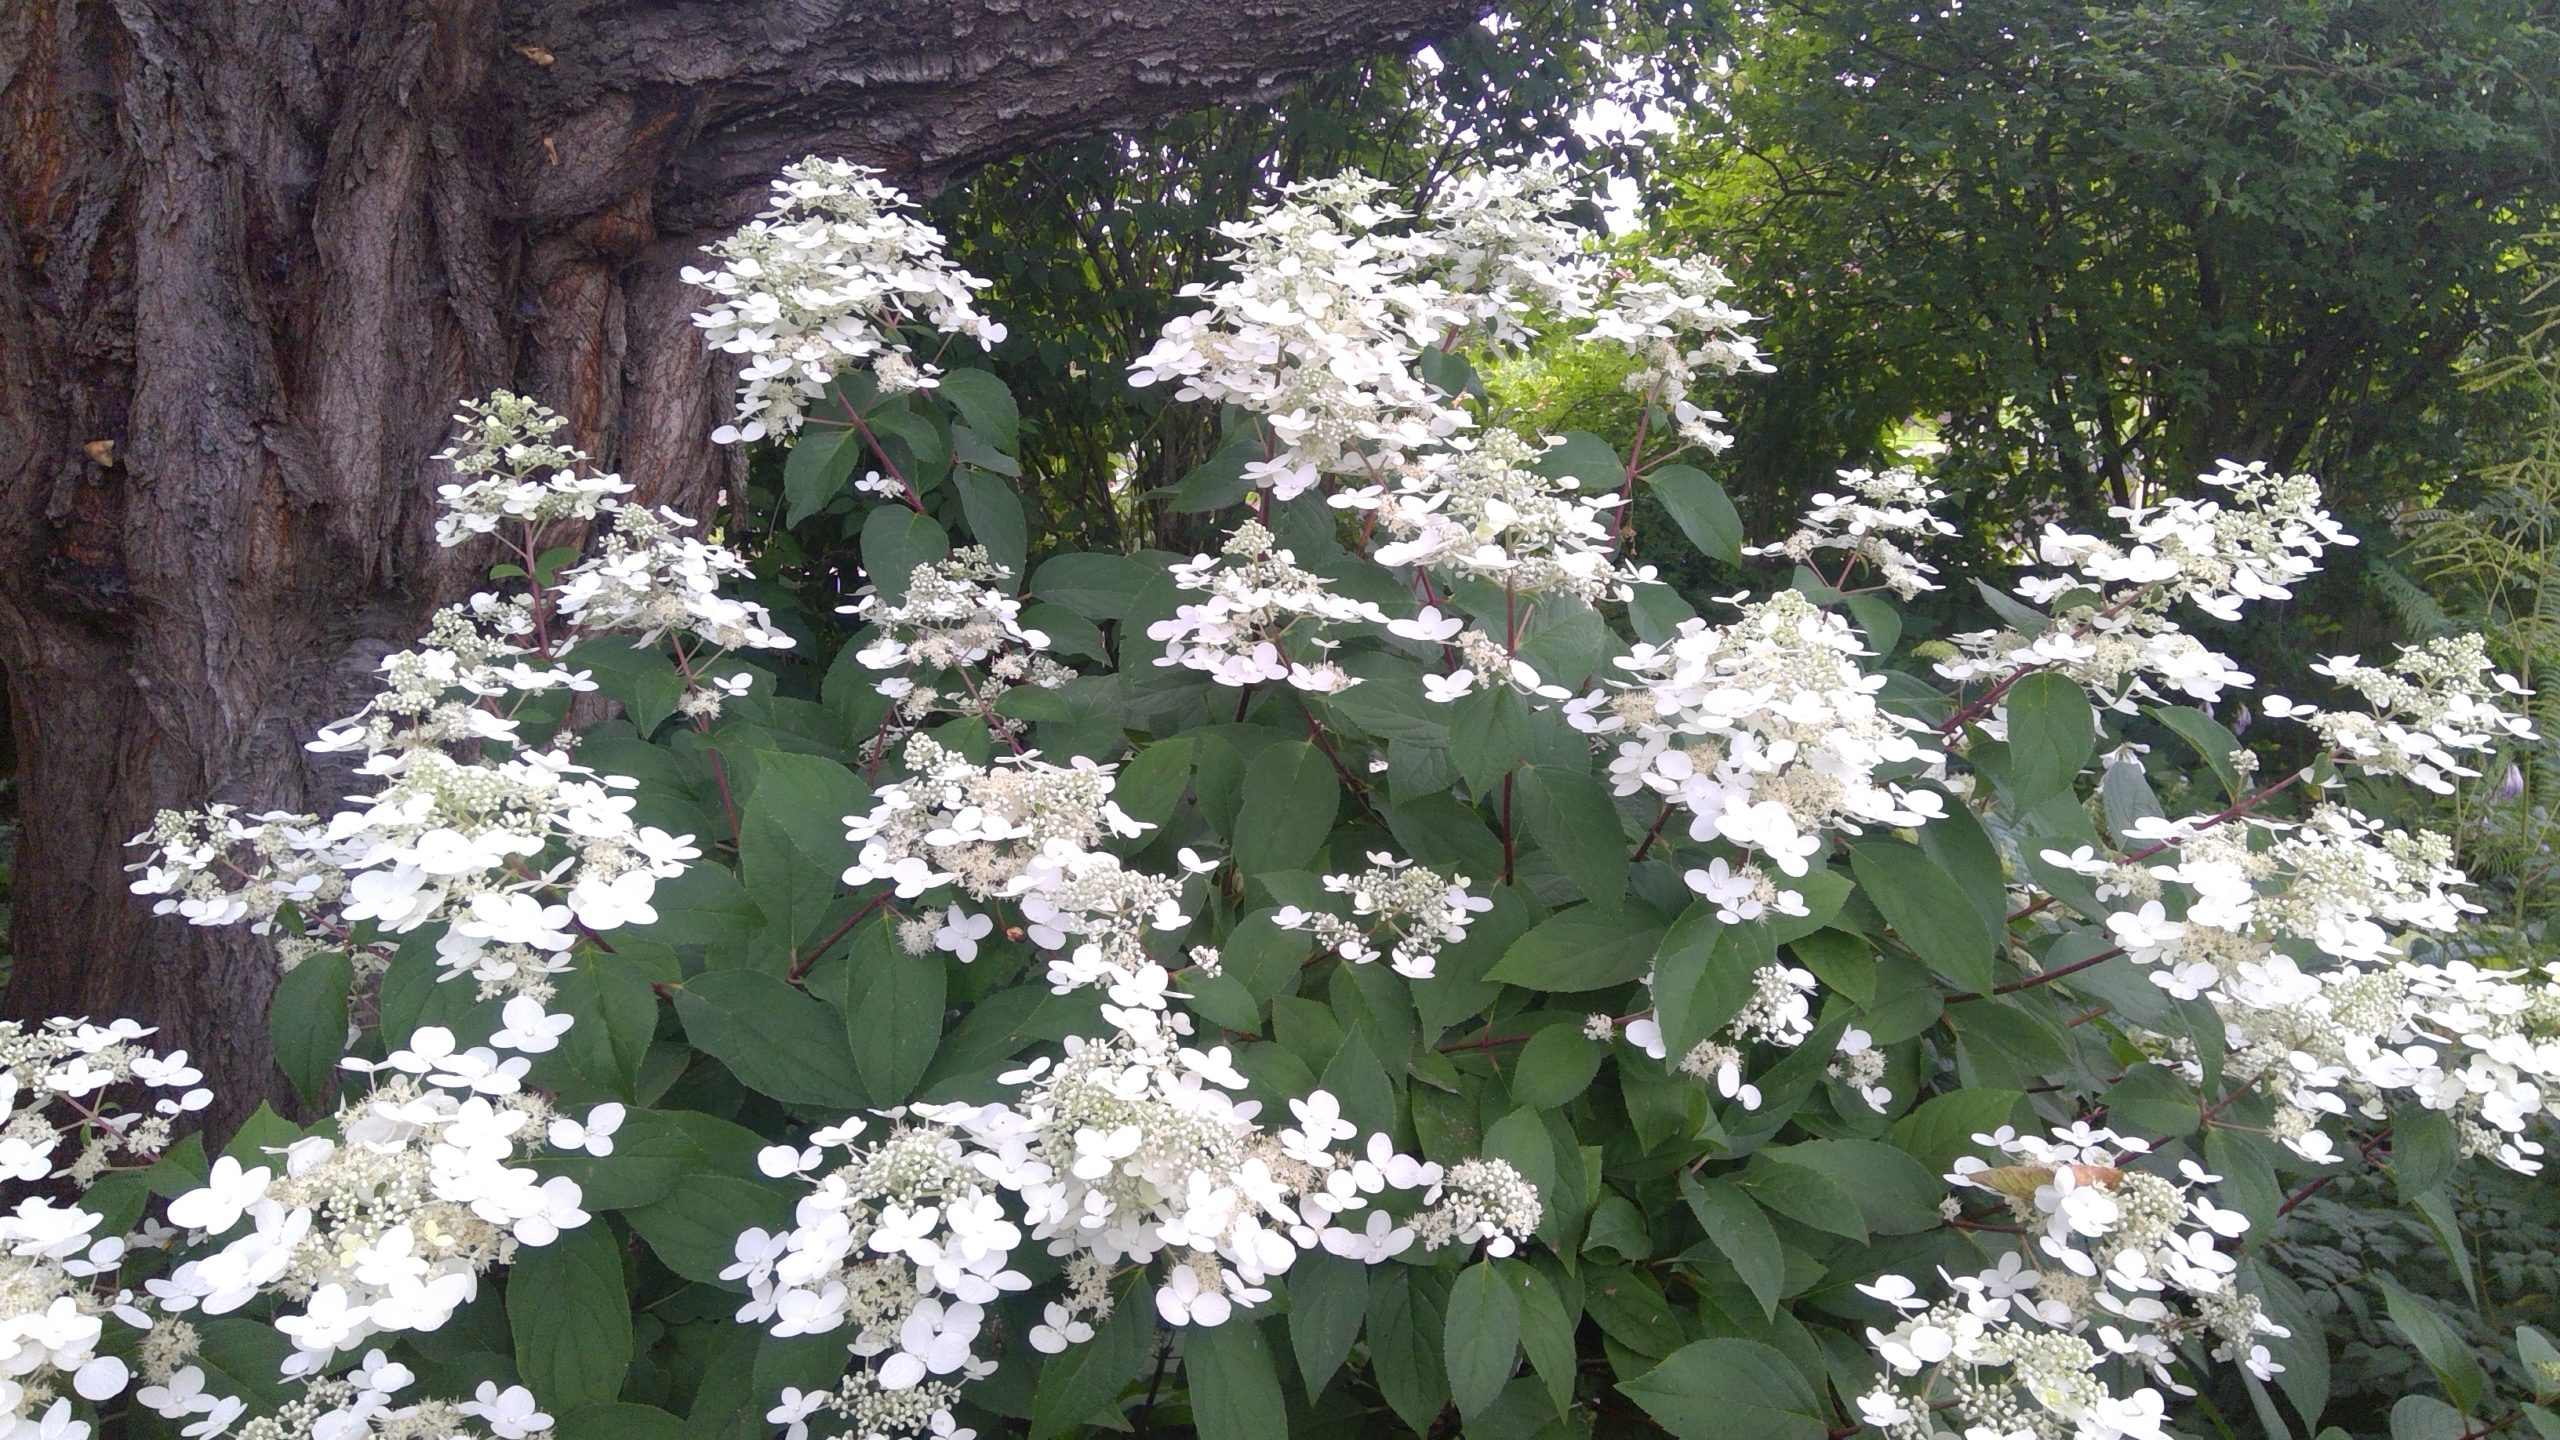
(1096, 586)
(1546, 1333)
(1489, 733)
(1894, 1193)
(1719, 1389)
(984, 402)
(1805, 1195)
(2212, 743)
(1943, 1126)
(2052, 731)
(2541, 1361)
(2152, 1100)
(1328, 1300)
(892, 1004)
(1569, 814)
(1482, 1337)
(1742, 1232)
(2438, 1343)
(775, 1039)
(2424, 1417)
(994, 512)
(1235, 1391)
(2423, 1149)
(1076, 1385)
(895, 540)
(1405, 1345)
(1702, 974)
(694, 1231)
(616, 1016)
(651, 1153)
(307, 1021)
(1701, 509)
(571, 1318)
(1151, 783)
(1217, 482)
(616, 1421)
(1583, 948)
(1555, 1066)
(1926, 909)
(245, 1358)
(1290, 799)
(821, 460)
(791, 845)
(640, 677)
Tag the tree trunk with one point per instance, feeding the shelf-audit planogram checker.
(254, 252)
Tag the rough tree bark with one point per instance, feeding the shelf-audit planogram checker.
(252, 253)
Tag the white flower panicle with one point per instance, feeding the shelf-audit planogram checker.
(510, 844)
(2075, 1337)
(1668, 317)
(821, 283)
(525, 477)
(1241, 634)
(387, 1225)
(2319, 943)
(957, 642)
(1479, 507)
(1881, 513)
(1414, 911)
(2112, 632)
(2434, 705)
(1336, 302)
(1764, 731)
(1023, 831)
(1320, 331)
(1128, 1151)
(59, 1292)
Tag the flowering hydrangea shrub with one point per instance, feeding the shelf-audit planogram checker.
(1400, 970)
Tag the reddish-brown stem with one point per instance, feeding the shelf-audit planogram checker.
(802, 965)
(2032, 981)
(914, 501)
(1651, 835)
(1635, 462)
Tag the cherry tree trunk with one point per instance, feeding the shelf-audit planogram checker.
(254, 252)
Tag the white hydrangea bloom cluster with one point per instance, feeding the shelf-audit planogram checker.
(1669, 318)
(1256, 592)
(1507, 254)
(58, 1275)
(1028, 832)
(2436, 703)
(1764, 731)
(1323, 330)
(2113, 633)
(652, 579)
(526, 478)
(2307, 940)
(952, 620)
(1881, 513)
(1417, 910)
(1129, 1150)
(510, 844)
(388, 1225)
(1320, 331)
(357, 1405)
(1479, 507)
(821, 283)
(2127, 1266)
